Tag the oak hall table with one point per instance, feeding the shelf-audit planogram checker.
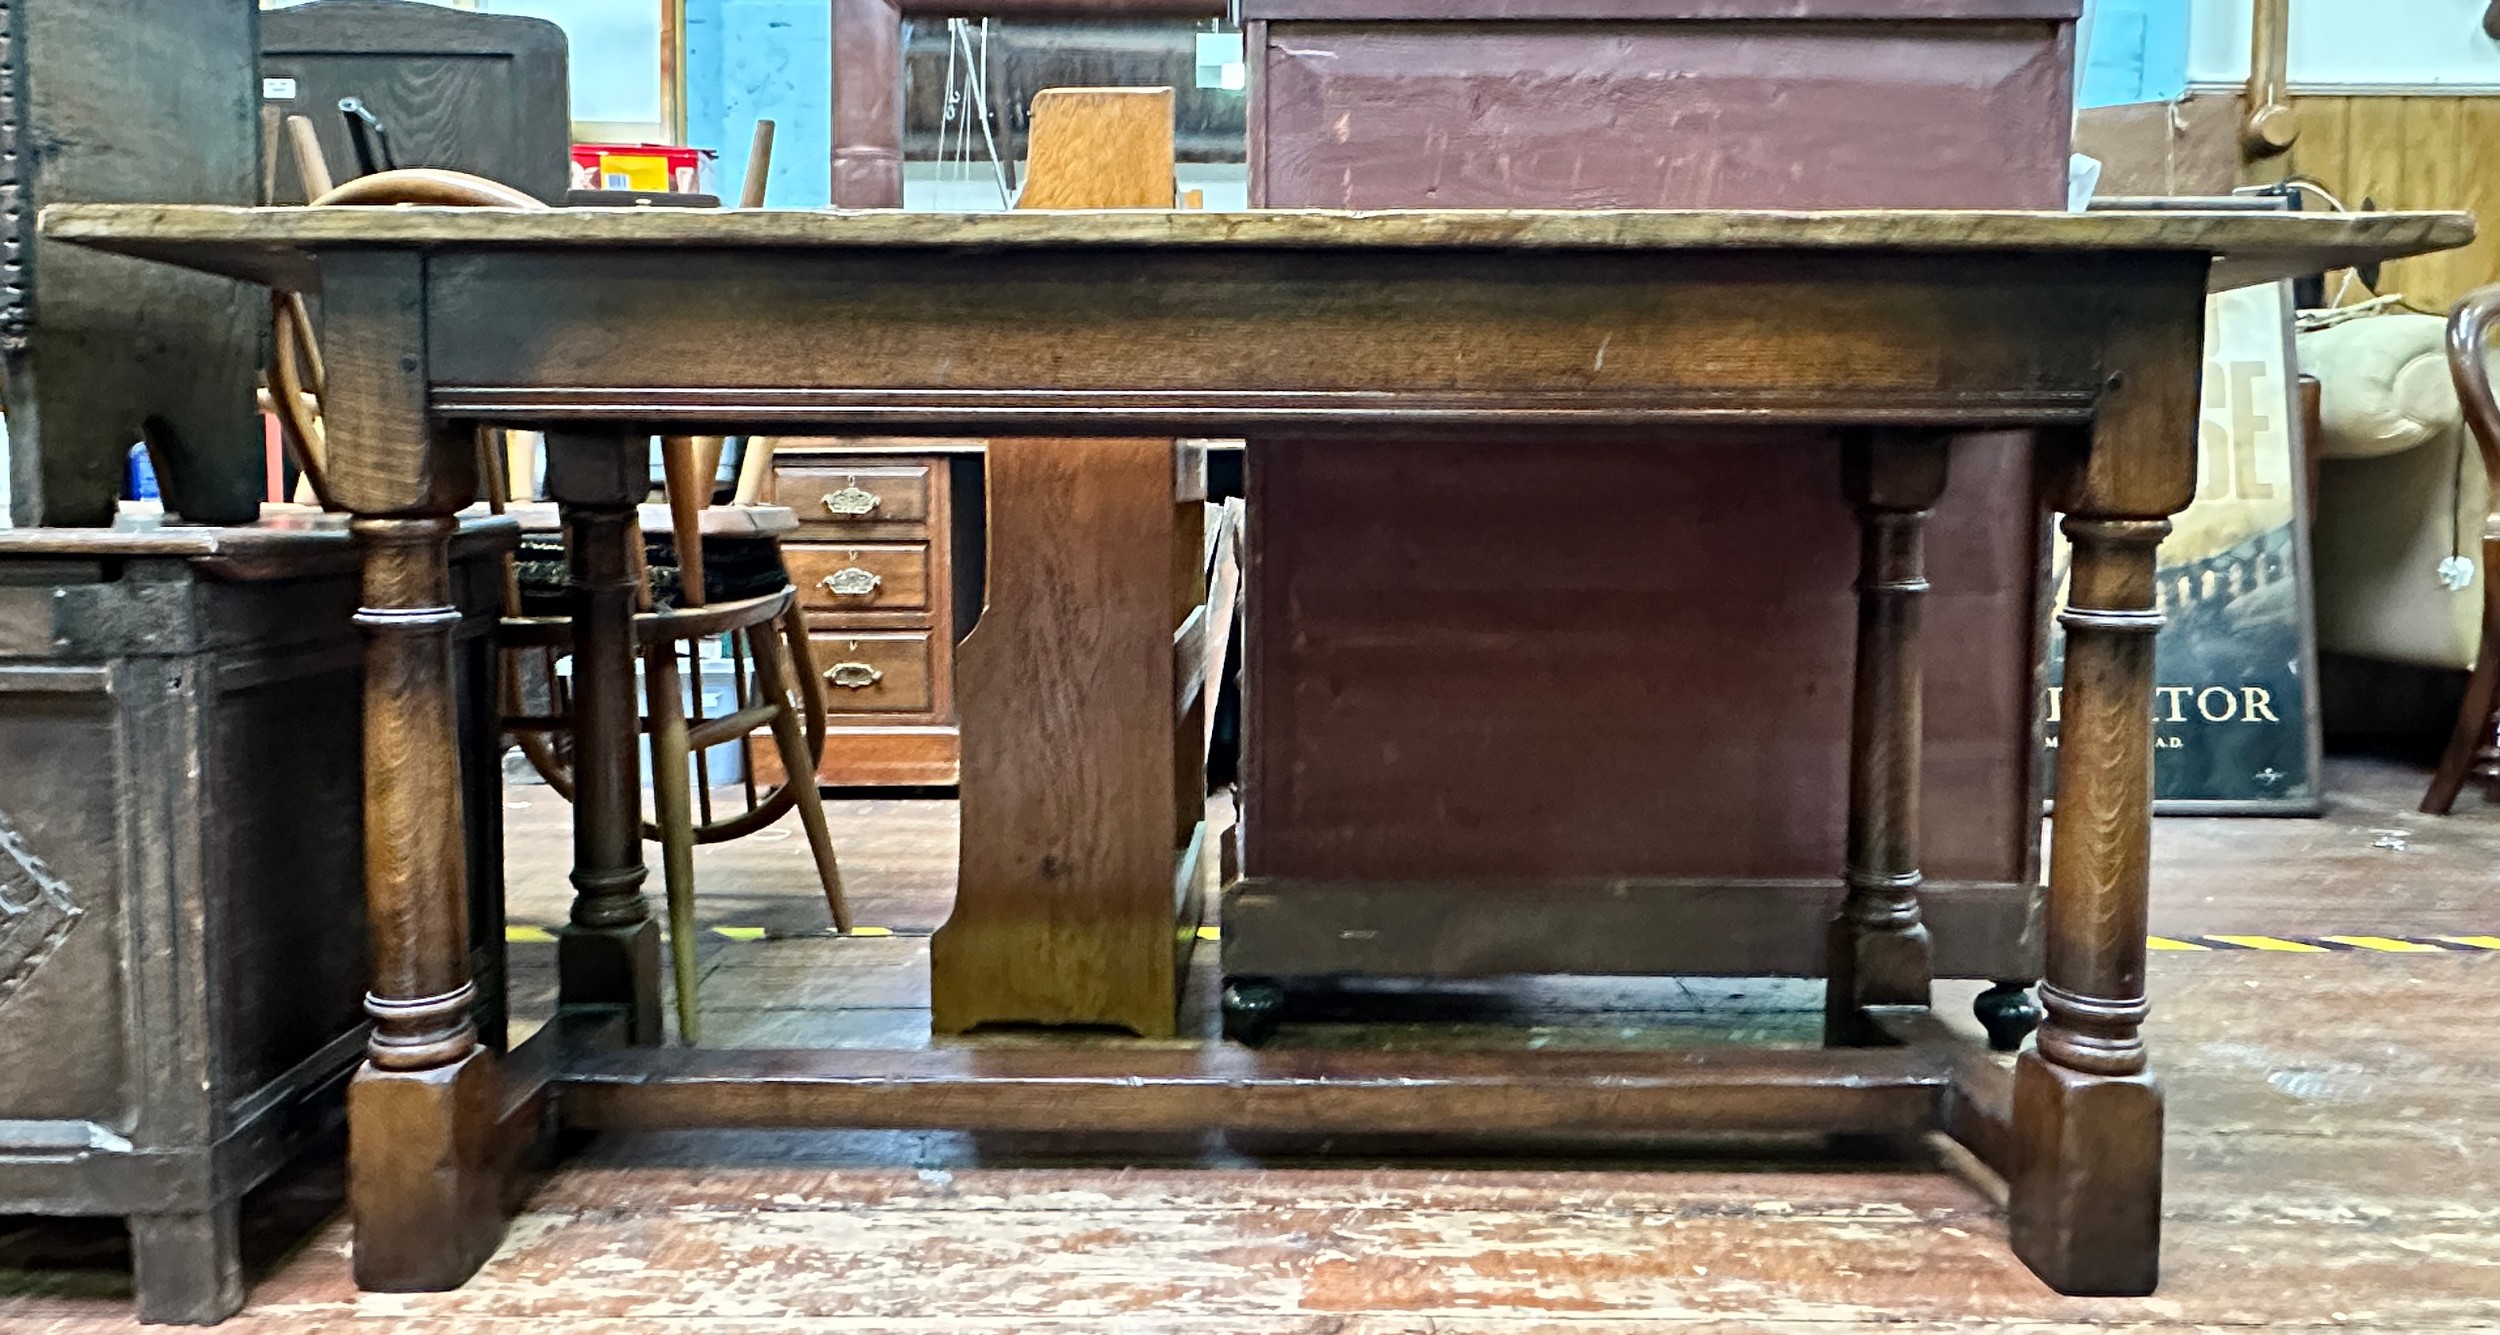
(1905, 328)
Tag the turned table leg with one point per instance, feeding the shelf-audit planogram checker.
(2085, 1185)
(608, 953)
(1879, 952)
(421, 1182)
(2086, 1203)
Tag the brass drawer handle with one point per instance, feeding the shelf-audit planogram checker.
(851, 582)
(851, 502)
(853, 676)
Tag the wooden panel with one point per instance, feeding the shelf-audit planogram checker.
(2478, 133)
(1203, 337)
(871, 576)
(833, 501)
(1064, 911)
(891, 670)
(2414, 151)
(1635, 114)
(478, 93)
(1620, 662)
(1100, 148)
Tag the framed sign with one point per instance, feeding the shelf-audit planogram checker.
(2234, 709)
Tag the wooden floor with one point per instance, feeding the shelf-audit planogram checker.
(2334, 1148)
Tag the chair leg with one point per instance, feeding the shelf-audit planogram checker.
(674, 810)
(2473, 733)
(772, 671)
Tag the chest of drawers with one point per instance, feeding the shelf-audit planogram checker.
(888, 565)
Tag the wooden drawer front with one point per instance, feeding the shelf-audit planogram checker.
(874, 672)
(832, 498)
(871, 576)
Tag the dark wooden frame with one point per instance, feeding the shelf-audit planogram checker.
(1900, 328)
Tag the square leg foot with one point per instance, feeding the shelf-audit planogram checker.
(2085, 1190)
(422, 1181)
(188, 1268)
(614, 966)
(1867, 968)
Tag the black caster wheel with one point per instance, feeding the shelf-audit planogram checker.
(1252, 1007)
(2008, 1013)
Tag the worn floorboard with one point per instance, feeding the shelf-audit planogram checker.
(2333, 1158)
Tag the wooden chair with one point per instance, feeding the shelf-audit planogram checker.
(776, 683)
(777, 686)
(2474, 747)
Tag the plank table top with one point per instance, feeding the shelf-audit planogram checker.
(271, 245)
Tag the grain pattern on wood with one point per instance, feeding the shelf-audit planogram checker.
(1076, 928)
(373, 338)
(2085, 1183)
(1881, 952)
(188, 1268)
(1205, 341)
(1163, 1089)
(1063, 913)
(2253, 248)
(425, 1198)
(1100, 148)
(480, 93)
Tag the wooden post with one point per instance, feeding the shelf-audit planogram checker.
(867, 104)
(422, 1185)
(421, 1182)
(1880, 954)
(2085, 1206)
(609, 953)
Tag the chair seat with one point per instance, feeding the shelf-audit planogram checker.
(734, 568)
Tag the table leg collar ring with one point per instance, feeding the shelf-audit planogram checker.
(417, 1033)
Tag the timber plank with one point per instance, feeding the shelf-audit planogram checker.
(1154, 1088)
